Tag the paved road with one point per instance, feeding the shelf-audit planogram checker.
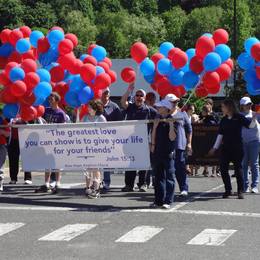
(122, 226)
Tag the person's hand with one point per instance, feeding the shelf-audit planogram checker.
(189, 149)
(131, 86)
(211, 151)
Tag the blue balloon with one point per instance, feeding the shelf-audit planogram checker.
(44, 75)
(149, 79)
(42, 90)
(249, 43)
(6, 50)
(208, 35)
(71, 99)
(190, 80)
(48, 57)
(147, 67)
(99, 53)
(245, 61)
(10, 110)
(176, 77)
(212, 61)
(83, 56)
(165, 47)
(39, 101)
(164, 66)
(77, 84)
(85, 95)
(190, 53)
(250, 75)
(251, 91)
(16, 73)
(186, 67)
(99, 70)
(223, 51)
(54, 37)
(34, 37)
(22, 46)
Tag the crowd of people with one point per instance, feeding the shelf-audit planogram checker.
(170, 143)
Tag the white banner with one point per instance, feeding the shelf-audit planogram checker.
(77, 147)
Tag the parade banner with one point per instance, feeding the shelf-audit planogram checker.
(203, 139)
(77, 147)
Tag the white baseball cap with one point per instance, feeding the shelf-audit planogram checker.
(105, 90)
(141, 90)
(171, 98)
(164, 103)
(245, 101)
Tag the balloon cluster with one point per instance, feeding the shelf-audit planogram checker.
(250, 62)
(171, 70)
(34, 65)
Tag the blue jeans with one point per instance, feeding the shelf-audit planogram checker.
(164, 181)
(107, 178)
(180, 167)
(251, 158)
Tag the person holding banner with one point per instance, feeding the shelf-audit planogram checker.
(136, 111)
(230, 136)
(251, 145)
(111, 112)
(163, 153)
(93, 177)
(53, 115)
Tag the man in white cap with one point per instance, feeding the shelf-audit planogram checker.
(136, 111)
(251, 145)
(183, 143)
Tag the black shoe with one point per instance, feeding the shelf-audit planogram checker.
(127, 189)
(240, 195)
(55, 190)
(44, 189)
(226, 195)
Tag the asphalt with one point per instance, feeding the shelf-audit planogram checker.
(117, 213)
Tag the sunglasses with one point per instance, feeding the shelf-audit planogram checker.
(106, 92)
(139, 95)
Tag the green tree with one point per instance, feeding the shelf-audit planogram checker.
(111, 5)
(140, 7)
(175, 20)
(77, 23)
(255, 15)
(11, 13)
(40, 15)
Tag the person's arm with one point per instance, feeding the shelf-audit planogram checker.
(188, 130)
(217, 144)
(155, 125)
(172, 133)
(124, 102)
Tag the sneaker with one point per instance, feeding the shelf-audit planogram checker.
(143, 188)
(43, 188)
(55, 190)
(184, 193)
(28, 182)
(166, 206)
(247, 190)
(105, 187)
(12, 182)
(1, 186)
(127, 189)
(95, 194)
(255, 190)
(52, 184)
(88, 191)
(240, 195)
(226, 195)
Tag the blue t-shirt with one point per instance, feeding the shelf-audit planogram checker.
(112, 112)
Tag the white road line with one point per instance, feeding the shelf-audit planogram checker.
(212, 237)
(140, 234)
(68, 232)
(8, 227)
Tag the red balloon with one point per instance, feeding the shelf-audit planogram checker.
(204, 45)
(97, 93)
(196, 64)
(57, 28)
(83, 111)
(104, 65)
(27, 99)
(4, 36)
(255, 51)
(75, 67)
(201, 91)
(66, 61)
(156, 57)
(102, 81)
(224, 72)
(31, 54)
(257, 68)
(7, 96)
(88, 72)
(112, 75)
(57, 74)
(62, 88)
(163, 86)
(26, 31)
(230, 63)
(172, 52)
(179, 59)
(220, 36)
(65, 46)
(3, 61)
(18, 88)
(90, 48)
(15, 56)
(128, 75)
(28, 113)
(31, 80)
(9, 66)
(4, 80)
(108, 62)
(211, 79)
(90, 59)
(214, 89)
(40, 110)
(29, 65)
(14, 36)
(73, 38)
(139, 51)
(43, 45)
